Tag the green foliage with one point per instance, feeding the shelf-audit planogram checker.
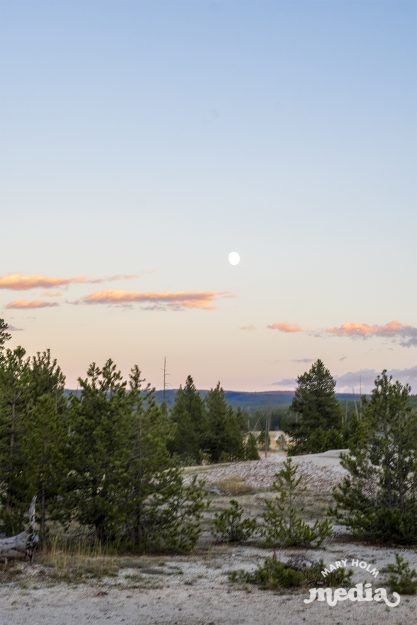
(282, 521)
(251, 448)
(172, 513)
(32, 432)
(275, 575)
(223, 440)
(230, 527)
(403, 578)
(4, 334)
(377, 500)
(187, 414)
(318, 418)
(99, 458)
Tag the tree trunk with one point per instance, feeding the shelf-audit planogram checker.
(22, 545)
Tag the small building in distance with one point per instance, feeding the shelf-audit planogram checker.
(278, 440)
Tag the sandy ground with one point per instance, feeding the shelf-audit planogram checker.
(195, 590)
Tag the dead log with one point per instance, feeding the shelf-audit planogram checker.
(22, 545)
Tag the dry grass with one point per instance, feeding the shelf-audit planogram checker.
(77, 562)
(234, 486)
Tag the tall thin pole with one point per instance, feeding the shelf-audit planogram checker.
(165, 379)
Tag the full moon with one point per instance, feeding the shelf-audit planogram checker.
(234, 258)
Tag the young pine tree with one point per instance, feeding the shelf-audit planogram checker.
(283, 525)
(251, 448)
(377, 500)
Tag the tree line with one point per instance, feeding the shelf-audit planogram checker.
(107, 458)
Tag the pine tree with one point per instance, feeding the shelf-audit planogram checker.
(45, 436)
(98, 450)
(187, 414)
(377, 500)
(318, 414)
(283, 523)
(251, 448)
(223, 439)
(148, 433)
(14, 383)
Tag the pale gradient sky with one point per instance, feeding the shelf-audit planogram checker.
(141, 142)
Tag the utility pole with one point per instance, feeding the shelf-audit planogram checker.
(165, 379)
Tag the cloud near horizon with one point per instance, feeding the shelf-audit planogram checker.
(406, 335)
(282, 326)
(175, 301)
(400, 333)
(20, 282)
(30, 304)
(353, 381)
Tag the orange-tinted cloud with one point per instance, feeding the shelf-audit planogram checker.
(176, 300)
(249, 328)
(19, 282)
(282, 326)
(406, 335)
(28, 304)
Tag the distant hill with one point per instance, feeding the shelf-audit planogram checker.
(247, 400)
(241, 399)
(251, 400)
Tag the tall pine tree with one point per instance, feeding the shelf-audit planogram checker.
(318, 416)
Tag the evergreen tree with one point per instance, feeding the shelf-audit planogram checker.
(223, 439)
(187, 414)
(377, 500)
(98, 450)
(251, 448)
(283, 523)
(45, 435)
(318, 422)
(4, 334)
(14, 383)
(148, 433)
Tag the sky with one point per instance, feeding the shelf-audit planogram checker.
(142, 141)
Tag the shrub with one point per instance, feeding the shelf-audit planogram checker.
(229, 527)
(275, 575)
(403, 579)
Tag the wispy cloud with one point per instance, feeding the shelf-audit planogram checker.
(287, 383)
(406, 335)
(176, 300)
(29, 304)
(248, 328)
(365, 379)
(20, 282)
(282, 326)
(303, 360)
(52, 293)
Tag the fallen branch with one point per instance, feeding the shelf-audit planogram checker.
(22, 545)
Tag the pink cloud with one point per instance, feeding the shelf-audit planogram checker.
(282, 326)
(20, 282)
(29, 304)
(405, 334)
(176, 300)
